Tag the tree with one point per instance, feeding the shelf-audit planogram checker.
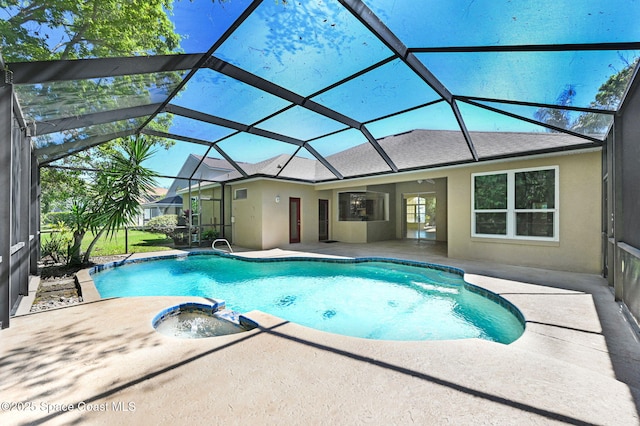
(58, 188)
(609, 96)
(40, 30)
(70, 29)
(558, 117)
(113, 196)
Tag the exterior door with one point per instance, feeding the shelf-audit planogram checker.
(294, 220)
(323, 217)
(420, 216)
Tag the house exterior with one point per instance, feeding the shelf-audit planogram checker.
(167, 205)
(147, 209)
(539, 210)
(194, 169)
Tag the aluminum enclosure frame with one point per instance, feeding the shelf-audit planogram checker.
(19, 214)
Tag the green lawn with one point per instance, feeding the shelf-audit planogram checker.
(139, 242)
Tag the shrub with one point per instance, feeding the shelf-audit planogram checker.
(163, 225)
(58, 245)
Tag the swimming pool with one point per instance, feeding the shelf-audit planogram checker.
(382, 299)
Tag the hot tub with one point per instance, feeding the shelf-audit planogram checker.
(198, 320)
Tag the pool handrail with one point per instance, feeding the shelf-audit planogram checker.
(221, 240)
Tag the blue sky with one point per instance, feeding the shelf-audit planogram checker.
(291, 46)
(309, 44)
(202, 22)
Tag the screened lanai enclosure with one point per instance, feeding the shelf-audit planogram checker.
(317, 91)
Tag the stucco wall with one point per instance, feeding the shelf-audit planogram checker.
(350, 232)
(579, 245)
(246, 216)
(275, 216)
(382, 230)
(262, 223)
(442, 228)
(365, 231)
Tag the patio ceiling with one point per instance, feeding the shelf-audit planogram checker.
(321, 80)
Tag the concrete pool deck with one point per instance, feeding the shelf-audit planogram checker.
(102, 362)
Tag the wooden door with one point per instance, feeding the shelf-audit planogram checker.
(294, 220)
(323, 218)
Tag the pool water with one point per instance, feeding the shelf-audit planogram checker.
(373, 299)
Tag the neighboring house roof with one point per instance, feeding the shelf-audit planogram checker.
(158, 192)
(152, 195)
(174, 200)
(410, 150)
(149, 198)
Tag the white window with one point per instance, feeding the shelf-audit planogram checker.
(240, 194)
(516, 204)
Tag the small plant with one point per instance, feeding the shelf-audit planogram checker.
(58, 246)
(210, 234)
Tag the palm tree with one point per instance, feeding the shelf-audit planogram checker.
(115, 194)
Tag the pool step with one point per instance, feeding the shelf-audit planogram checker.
(236, 318)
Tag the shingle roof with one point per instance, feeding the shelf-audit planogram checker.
(176, 199)
(491, 144)
(216, 163)
(153, 194)
(410, 150)
(430, 148)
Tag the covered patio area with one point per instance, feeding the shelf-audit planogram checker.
(102, 362)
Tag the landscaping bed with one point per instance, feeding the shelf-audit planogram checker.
(58, 286)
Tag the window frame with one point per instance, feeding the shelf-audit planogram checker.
(240, 191)
(511, 211)
(354, 218)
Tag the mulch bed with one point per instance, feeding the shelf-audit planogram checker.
(57, 283)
